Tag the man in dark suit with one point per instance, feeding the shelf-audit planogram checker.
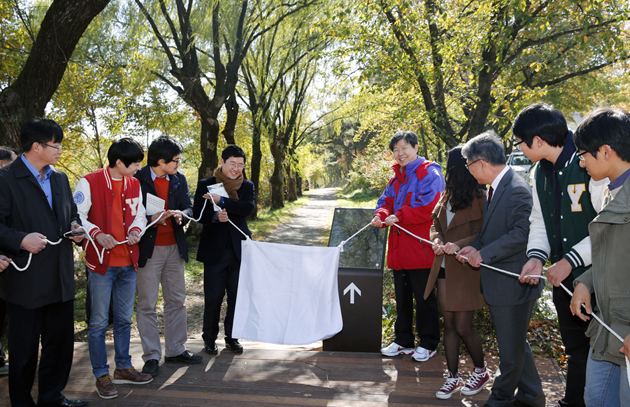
(501, 243)
(220, 243)
(36, 205)
(7, 156)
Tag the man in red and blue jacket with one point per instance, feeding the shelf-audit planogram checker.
(408, 201)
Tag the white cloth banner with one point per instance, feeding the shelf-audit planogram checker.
(287, 294)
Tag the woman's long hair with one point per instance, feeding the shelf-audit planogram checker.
(461, 187)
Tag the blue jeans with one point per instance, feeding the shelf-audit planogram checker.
(606, 384)
(119, 284)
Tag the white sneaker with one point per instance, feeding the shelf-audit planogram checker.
(395, 349)
(450, 387)
(422, 355)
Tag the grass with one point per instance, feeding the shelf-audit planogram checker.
(360, 198)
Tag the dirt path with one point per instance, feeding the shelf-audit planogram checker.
(311, 222)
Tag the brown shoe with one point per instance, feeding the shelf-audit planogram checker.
(105, 388)
(131, 376)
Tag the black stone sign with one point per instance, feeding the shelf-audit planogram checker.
(360, 281)
(367, 249)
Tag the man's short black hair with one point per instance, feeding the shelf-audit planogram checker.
(6, 154)
(163, 148)
(127, 150)
(38, 130)
(605, 127)
(410, 136)
(542, 120)
(232, 150)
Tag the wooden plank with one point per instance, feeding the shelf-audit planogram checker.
(283, 377)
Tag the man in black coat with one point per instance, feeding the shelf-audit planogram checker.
(220, 242)
(36, 207)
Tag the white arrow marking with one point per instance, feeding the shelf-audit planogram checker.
(352, 288)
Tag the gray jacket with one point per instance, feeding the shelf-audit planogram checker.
(609, 277)
(502, 242)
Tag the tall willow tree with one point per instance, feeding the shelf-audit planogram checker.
(202, 45)
(271, 73)
(473, 63)
(48, 57)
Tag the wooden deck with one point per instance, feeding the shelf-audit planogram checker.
(267, 375)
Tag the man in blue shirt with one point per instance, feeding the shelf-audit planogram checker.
(36, 208)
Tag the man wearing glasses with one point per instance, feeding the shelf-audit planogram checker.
(36, 207)
(220, 243)
(163, 253)
(565, 200)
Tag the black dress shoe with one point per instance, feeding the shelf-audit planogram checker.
(211, 348)
(152, 367)
(64, 402)
(185, 357)
(234, 346)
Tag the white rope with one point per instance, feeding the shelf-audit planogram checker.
(101, 253)
(30, 256)
(217, 208)
(340, 245)
(544, 278)
(205, 201)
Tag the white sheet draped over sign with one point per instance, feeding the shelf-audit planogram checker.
(287, 294)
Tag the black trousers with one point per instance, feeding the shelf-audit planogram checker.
(407, 285)
(576, 345)
(220, 278)
(3, 317)
(54, 324)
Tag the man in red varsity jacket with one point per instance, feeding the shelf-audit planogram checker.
(109, 202)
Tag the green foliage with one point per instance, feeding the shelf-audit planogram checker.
(460, 67)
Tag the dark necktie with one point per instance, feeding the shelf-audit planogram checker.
(490, 191)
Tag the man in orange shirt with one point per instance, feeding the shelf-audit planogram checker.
(109, 202)
(163, 253)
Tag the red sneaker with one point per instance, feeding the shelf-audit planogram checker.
(450, 387)
(476, 382)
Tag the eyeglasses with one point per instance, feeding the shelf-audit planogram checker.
(48, 145)
(176, 161)
(517, 143)
(469, 165)
(581, 156)
(232, 164)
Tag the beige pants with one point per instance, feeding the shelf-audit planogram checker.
(166, 267)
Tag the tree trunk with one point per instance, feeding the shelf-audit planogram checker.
(209, 138)
(299, 186)
(60, 31)
(255, 168)
(231, 106)
(277, 178)
(292, 194)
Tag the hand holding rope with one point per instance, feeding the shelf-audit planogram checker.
(518, 276)
(70, 235)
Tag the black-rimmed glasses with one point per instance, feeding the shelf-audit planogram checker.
(48, 145)
(469, 165)
(580, 156)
